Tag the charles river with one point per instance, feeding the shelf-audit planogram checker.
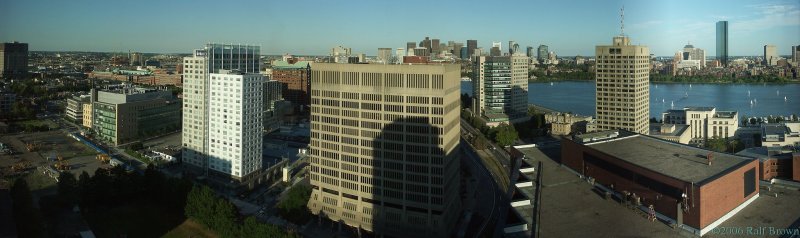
(578, 97)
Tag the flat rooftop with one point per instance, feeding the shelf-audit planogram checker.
(675, 160)
(655, 129)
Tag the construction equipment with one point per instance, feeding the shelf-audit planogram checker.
(104, 158)
(62, 166)
(20, 166)
(31, 147)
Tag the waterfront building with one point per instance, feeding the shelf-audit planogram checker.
(781, 134)
(566, 123)
(704, 122)
(770, 55)
(623, 86)
(13, 60)
(129, 114)
(196, 93)
(500, 86)
(678, 133)
(722, 43)
(74, 109)
(796, 54)
(235, 123)
(296, 78)
(384, 154)
(692, 57)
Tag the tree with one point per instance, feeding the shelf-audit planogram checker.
(293, 206)
(716, 144)
(28, 220)
(200, 204)
(84, 188)
(67, 188)
(224, 219)
(506, 135)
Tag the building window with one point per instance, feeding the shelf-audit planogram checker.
(749, 182)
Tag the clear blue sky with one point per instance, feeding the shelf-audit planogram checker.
(313, 27)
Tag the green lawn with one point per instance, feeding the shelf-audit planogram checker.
(139, 219)
(190, 228)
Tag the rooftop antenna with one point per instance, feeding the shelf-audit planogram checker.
(622, 20)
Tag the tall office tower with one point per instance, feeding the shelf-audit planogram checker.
(235, 124)
(501, 88)
(770, 55)
(795, 53)
(385, 55)
(435, 47)
(196, 85)
(722, 43)
(398, 58)
(499, 45)
(542, 52)
(513, 47)
(422, 51)
(136, 59)
(457, 49)
(384, 144)
(341, 54)
(464, 54)
(622, 86)
(471, 46)
(426, 43)
(13, 60)
(410, 45)
(529, 52)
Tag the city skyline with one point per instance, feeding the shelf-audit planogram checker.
(303, 28)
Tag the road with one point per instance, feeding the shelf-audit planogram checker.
(486, 201)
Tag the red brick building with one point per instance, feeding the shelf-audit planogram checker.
(296, 78)
(776, 162)
(686, 185)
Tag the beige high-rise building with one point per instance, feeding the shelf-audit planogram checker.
(623, 86)
(770, 55)
(384, 142)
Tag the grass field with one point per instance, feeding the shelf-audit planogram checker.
(135, 220)
(190, 228)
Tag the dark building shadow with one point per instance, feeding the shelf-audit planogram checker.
(416, 183)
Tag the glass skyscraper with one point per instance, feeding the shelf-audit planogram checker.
(722, 42)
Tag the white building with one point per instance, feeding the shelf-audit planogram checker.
(694, 56)
(704, 122)
(196, 95)
(770, 55)
(235, 121)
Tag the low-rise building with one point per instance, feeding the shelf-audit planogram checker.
(694, 188)
(776, 162)
(781, 134)
(705, 122)
(74, 109)
(566, 123)
(87, 115)
(131, 113)
(679, 133)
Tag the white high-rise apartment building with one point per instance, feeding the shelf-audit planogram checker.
(236, 104)
(196, 95)
(623, 86)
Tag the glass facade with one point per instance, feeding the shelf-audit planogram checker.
(722, 42)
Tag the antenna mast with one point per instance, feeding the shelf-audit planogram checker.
(622, 20)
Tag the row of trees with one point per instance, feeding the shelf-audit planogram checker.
(28, 220)
(293, 206)
(715, 79)
(724, 145)
(503, 135)
(220, 215)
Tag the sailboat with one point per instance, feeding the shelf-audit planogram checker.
(785, 99)
(671, 104)
(551, 83)
(662, 100)
(748, 93)
(751, 102)
(686, 95)
(690, 86)
(778, 92)
(756, 100)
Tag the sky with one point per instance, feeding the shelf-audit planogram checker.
(304, 27)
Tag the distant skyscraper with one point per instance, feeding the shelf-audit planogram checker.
(691, 57)
(426, 43)
(530, 52)
(471, 46)
(236, 107)
(722, 43)
(13, 60)
(499, 45)
(435, 47)
(385, 55)
(411, 45)
(622, 86)
(795, 53)
(500, 86)
(495, 51)
(457, 49)
(136, 59)
(511, 44)
(399, 55)
(770, 55)
(196, 101)
(384, 148)
(542, 53)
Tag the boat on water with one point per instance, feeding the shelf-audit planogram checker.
(751, 102)
(778, 92)
(785, 99)
(551, 83)
(748, 93)
(686, 95)
(671, 104)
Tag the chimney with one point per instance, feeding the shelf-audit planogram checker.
(710, 157)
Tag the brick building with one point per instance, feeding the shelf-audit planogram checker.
(686, 185)
(296, 78)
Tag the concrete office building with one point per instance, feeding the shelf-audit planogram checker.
(770, 55)
(500, 86)
(129, 114)
(385, 55)
(273, 109)
(471, 46)
(398, 58)
(704, 122)
(296, 78)
(74, 109)
(235, 123)
(796, 54)
(13, 60)
(623, 86)
(694, 188)
(696, 55)
(136, 59)
(384, 150)
(197, 68)
(722, 43)
(530, 52)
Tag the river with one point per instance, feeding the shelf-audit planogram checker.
(578, 97)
